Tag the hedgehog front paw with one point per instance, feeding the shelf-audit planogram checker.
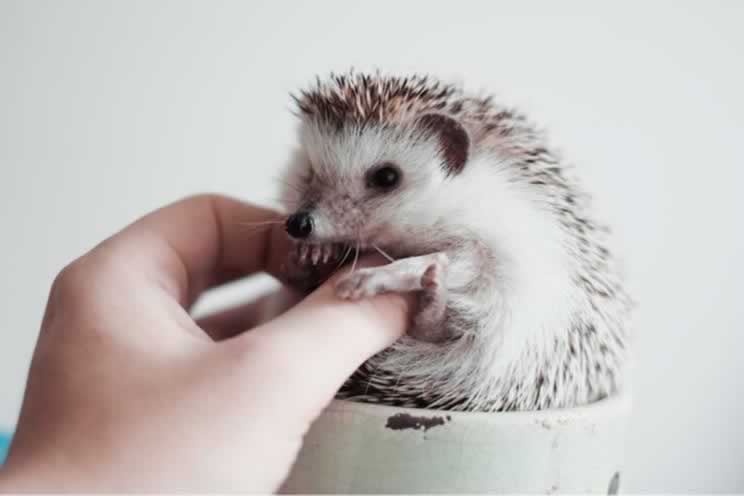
(359, 284)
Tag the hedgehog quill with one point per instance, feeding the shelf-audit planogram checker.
(520, 304)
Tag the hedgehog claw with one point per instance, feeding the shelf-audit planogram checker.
(304, 249)
(327, 252)
(315, 253)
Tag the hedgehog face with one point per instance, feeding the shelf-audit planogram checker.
(362, 185)
(374, 152)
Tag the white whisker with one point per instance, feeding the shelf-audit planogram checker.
(343, 259)
(255, 228)
(257, 224)
(346, 255)
(390, 259)
(356, 257)
(294, 186)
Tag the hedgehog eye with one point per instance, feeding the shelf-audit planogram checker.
(384, 177)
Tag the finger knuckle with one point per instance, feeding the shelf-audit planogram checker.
(71, 279)
(211, 200)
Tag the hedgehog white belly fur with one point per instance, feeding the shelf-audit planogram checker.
(536, 316)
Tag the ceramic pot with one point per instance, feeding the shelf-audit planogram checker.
(363, 448)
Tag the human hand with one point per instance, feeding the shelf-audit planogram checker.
(126, 392)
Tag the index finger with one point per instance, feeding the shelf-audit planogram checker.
(201, 241)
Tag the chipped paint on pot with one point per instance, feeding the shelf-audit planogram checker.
(401, 421)
(362, 448)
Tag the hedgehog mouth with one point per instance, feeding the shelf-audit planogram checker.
(351, 250)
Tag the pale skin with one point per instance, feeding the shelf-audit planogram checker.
(127, 393)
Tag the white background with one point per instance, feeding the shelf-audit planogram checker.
(108, 110)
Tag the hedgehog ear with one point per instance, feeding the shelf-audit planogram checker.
(453, 139)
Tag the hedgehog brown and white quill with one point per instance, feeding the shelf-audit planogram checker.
(520, 305)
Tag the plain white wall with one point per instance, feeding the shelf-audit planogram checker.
(108, 110)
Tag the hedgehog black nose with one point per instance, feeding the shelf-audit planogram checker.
(300, 225)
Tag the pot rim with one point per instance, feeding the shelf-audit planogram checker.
(616, 404)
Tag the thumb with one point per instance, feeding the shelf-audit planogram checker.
(314, 347)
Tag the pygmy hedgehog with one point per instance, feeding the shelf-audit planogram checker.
(520, 305)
